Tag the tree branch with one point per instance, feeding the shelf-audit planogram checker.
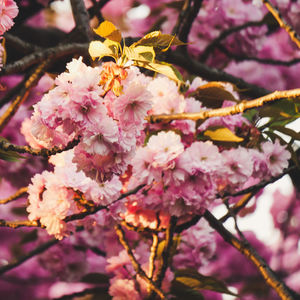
(246, 249)
(186, 18)
(266, 61)
(29, 84)
(283, 24)
(82, 19)
(223, 35)
(6, 146)
(225, 111)
(41, 248)
(39, 56)
(22, 191)
(138, 269)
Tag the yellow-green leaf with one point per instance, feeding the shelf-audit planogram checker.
(223, 134)
(197, 281)
(140, 53)
(98, 50)
(108, 30)
(162, 68)
(159, 41)
(290, 132)
(213, 94)
(162, 244)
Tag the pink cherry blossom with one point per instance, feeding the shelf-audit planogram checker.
(8, 11)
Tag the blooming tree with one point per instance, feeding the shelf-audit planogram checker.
(124, 125)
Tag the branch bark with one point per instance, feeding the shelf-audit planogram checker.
(225, 111)
(247, 250)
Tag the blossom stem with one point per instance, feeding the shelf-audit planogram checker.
(225, 111)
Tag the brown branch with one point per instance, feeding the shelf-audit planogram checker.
(266, 61)
(17, 224)
(137, 267)
(283, 24)
(260, 185)
(22, 46)
(29, 84)
(82, 20)
(85, 294)
(237, 207)
(22, 191)
(6, 146)
(153, 254)
(39, 56)
(247, 250)
(13, 92)
(141, 228)
(166, 252)
(39, 249)
(223, 35)
(186, 18)
(225, 111)
(208, 73)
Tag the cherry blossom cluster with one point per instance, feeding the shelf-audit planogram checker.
(106, 107)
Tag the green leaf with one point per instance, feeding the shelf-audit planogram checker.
(140, 53)
(222, 134)
(183, 292)
(95, 278)
(162, 68)
(290, 132)
(98, 49)
(160, 42)
(212, 94)
(195, 280)
(109, 31)
(162, 244)
(10, 156)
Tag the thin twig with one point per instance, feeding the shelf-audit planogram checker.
(260, 185)
(223, 35)
(29, 84)
(246, 249)
(137, 267)
(283, 24)
(22, 191)
(238, 206)
(41, 248)
(225, 111)
(6, 146)
(266, 61)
